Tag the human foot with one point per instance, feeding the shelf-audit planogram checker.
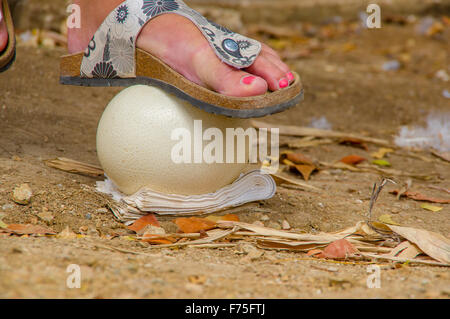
(3, 31)
(188, 52)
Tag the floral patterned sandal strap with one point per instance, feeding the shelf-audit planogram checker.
(111, 51)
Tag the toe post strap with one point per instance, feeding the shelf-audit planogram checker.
(111, 51)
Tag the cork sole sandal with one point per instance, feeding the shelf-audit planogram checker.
(112, 59)
(8, 55)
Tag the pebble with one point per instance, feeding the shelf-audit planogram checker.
(264, 218)
(88, 216)
(22, 194)
(274, 225)
(7, 207)
(285, 225)
(45, 215)
(392, 65)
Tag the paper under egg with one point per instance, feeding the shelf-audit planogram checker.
(136, 142)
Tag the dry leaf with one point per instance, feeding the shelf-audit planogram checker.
(381, 152)
(339, 249)
(151, 238)
(411, 252)
(194, 224)
(381, 162)
(352, 159)
(305, 170)
(292, 130)
(431, 207)
(354, 142)
(67, 234)
(420, 197)
(197, 279)
(296, 158)
(140, 224)
(228, 217)
(29, 229)
(279, 179)
(387, 219)
(433, 244)
(314, 252)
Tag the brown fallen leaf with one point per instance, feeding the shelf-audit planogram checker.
(305, 170)
(356, 142)
(421, 197)
(339, 249)
(194, 224)
(381, 153)
(433, 244)
(197, 279)
(29, 229)
(282, 180)
(352, 159)
(228, 217)
(292, 130)
(140, 224)
(314, 252)
(157, 239)
(296, 158)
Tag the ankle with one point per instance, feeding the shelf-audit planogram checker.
(93, 13)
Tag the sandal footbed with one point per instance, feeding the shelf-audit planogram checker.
(150, 70)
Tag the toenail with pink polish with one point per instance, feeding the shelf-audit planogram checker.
(290, 76)
(248, 80)
(283, 83)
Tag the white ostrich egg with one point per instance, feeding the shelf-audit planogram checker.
(141, 130)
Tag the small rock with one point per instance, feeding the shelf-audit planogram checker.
(446, 94)
(102, 210)
(7, 207)
(254, 254)
(442, 75)
(264, 218)
(285, 225)
(45, 215)
(392, 65)
(88, 216)
(274, 225)
(22, 194)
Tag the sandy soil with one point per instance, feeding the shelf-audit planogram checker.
(40, 119)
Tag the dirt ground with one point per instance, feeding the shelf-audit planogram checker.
(344, 82)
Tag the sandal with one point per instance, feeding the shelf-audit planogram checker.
(112, 59)
(8, 55)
